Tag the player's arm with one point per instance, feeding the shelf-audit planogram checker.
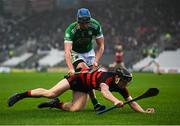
(135, 106)
(100, 49)
(100, 44)
(109, 96)
(68, 41)
(67, 49)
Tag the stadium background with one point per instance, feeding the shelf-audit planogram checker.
(37, 26)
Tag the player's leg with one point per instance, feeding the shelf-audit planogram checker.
(80, 65)
(97, 106)
(158, 67)
(83, 61)
(79, 100)
(78, 103)
(89, 59)
(58, 89)
(76, 60)
(147, 65)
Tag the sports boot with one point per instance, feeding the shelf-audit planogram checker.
(13, 99)
(49, 104)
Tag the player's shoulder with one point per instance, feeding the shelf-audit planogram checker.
(94, 23)
(71, 27)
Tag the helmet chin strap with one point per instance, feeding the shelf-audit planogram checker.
(117, 79)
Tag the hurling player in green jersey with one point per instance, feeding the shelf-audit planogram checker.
(152, 53)
(78, 45)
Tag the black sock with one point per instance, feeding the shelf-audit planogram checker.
(24, 95)
(27, 94)
(93, 98)
(94, 101)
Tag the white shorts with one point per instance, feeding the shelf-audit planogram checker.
(155, 60)
(88, 57)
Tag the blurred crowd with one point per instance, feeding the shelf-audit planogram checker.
(134, 25)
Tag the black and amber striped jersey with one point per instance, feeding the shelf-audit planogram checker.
(85, 82)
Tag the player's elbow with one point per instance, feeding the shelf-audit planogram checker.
(101, 47)
(104, 92)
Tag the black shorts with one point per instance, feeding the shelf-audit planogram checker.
(76, 84)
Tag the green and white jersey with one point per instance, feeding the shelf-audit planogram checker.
(82, 39)
(153, 52)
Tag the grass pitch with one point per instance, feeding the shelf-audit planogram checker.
(26, 112)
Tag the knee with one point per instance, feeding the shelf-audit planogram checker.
(75, 109)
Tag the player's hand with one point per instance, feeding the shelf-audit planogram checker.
(150, 110)
(119, 104)
(95, 65)
(71, 72)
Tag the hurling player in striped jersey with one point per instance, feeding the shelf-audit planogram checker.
(106, 82)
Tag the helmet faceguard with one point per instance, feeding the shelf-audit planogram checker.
(124, 74)
(83, 16)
